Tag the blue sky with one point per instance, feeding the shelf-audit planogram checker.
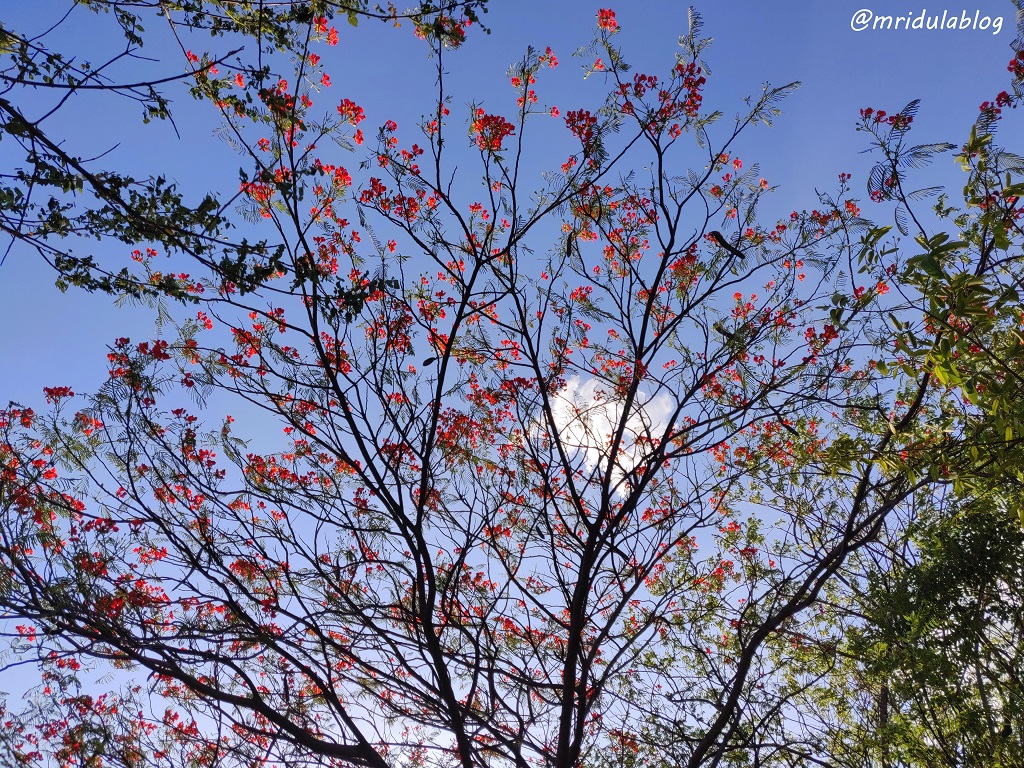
(55, 339)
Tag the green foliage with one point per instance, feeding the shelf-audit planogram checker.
(939, 646)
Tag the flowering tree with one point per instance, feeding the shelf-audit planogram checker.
(58, 194)
(575, 477)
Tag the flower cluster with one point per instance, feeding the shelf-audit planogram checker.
(898, 121)
(693, 80)
(351, 112)
(340, 177)
(1003, 99)
(320, 27)
(397, 205)
(582, 124)
(53, 394)
(606, 20)
(490, 130)
(1016, 66)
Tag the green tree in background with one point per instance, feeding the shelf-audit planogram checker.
(943, 645)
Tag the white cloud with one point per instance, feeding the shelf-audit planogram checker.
(588, 413)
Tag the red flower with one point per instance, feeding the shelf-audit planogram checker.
(582, 124)
(1017, 65)
(56, 393)
(606, 19)
(491, 131)
(351, 112)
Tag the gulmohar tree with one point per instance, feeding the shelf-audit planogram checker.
(59, 193)
(605, 473)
